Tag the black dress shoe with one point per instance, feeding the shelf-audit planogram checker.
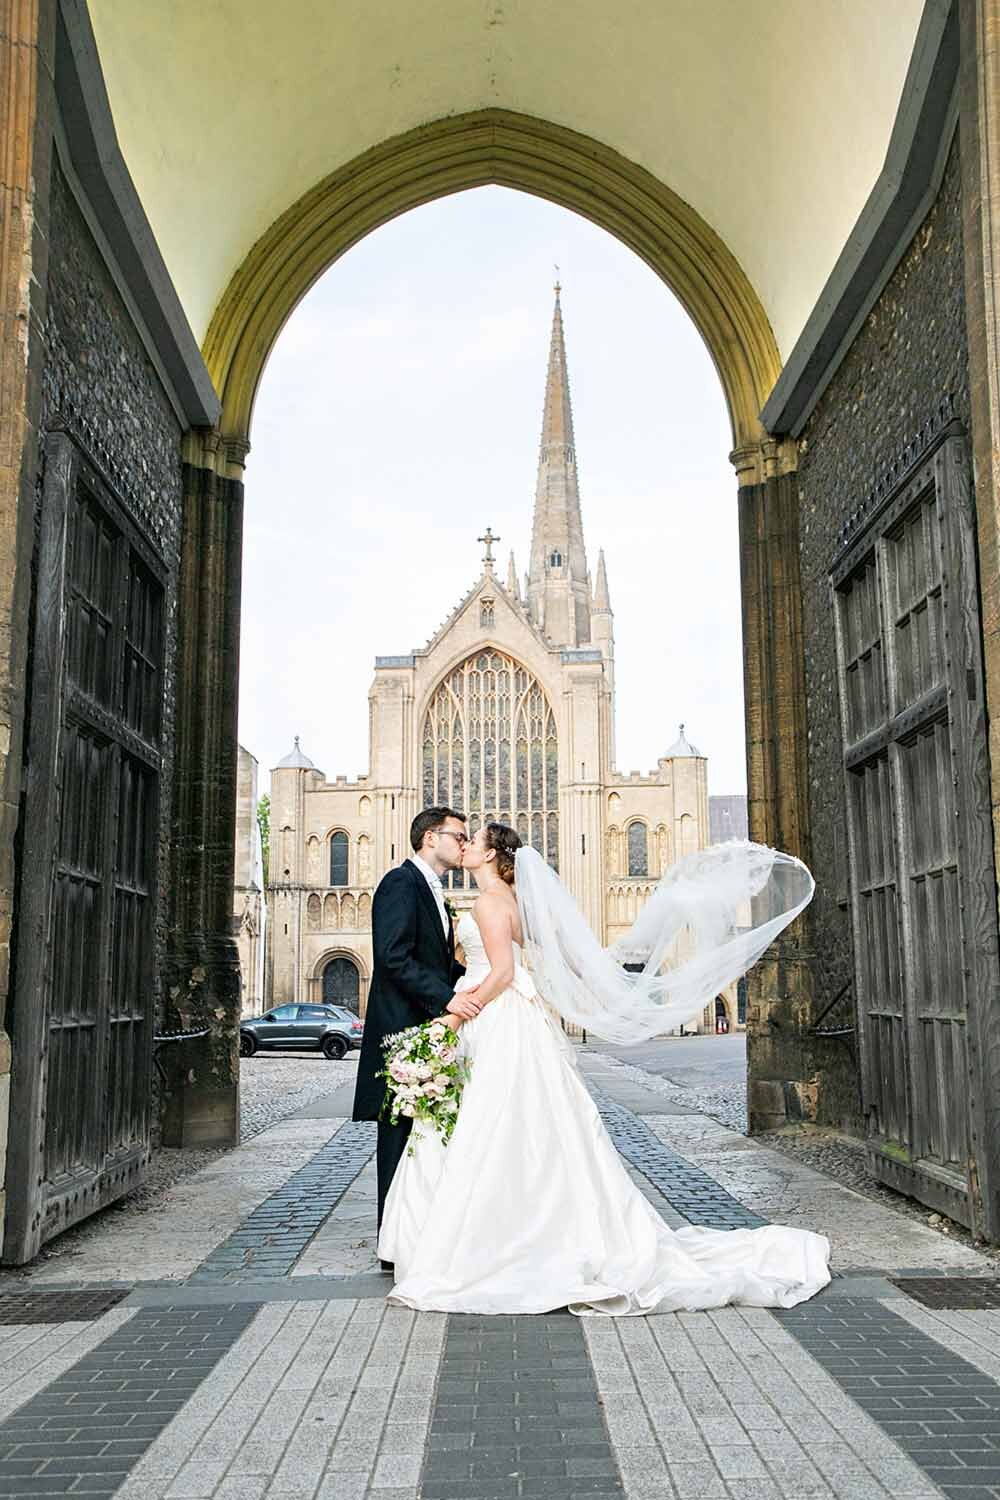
(387, 1265)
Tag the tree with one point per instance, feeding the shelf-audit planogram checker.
(264, 824)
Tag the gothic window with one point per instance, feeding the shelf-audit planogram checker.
(490, 747)
(555, 559)
(339, 846)
(638, 851)
(486, 613)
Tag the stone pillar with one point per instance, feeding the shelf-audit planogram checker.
(583, 773)
(201, 1102)
(979, 145)
(27, 103)
(779, 992)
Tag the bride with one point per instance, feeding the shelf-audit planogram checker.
(529, 1207)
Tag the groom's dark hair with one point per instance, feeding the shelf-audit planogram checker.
(429, 821)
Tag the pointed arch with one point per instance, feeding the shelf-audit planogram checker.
(489, 745)
(513, 150)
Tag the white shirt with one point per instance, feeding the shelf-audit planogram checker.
(437, 889)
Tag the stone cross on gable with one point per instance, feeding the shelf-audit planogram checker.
(489, 539)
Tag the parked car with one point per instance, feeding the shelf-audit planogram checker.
(330, 1029)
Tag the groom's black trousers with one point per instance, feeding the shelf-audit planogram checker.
(413, 979)
(392, 1141)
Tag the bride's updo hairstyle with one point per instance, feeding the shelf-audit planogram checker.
(505, 843)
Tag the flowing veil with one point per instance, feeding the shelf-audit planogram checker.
(710, 918)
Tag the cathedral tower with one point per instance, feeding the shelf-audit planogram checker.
(558, 599)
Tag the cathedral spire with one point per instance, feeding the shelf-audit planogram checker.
(512, 587)
(558, 596)
(602, 599)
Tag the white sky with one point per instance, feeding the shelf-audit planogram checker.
(399, 415)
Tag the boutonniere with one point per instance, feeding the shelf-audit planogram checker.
(449, 908)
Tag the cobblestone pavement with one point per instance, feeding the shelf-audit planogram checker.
(276, 1085)
(252, 1355)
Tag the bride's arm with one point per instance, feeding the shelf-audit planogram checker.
(492, 914)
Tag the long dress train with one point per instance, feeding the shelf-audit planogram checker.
(530, 1208)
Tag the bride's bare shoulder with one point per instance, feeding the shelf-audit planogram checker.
(497, 900)
(494, 903)
(498, 908)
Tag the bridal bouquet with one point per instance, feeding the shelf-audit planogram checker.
(424, 1076)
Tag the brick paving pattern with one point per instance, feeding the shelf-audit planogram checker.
(517, 1413)
(31, 1357)
(332, 1400)
(308, 1386)
(975, 1335)
(941, 1409)
(270, 1239)
(84, 1431)
(726, 1405)
(691, 1191)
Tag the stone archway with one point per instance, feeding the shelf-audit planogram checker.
(319, 983)
(506, 149)
(582, 174)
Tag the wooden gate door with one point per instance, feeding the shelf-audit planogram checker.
(83, 1004)
(919, 836)
(341, 984)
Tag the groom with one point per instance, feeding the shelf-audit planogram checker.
(414, 973)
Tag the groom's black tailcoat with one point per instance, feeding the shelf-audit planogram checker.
(413, 978)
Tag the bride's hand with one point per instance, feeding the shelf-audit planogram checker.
(453, 1021)
(464, 1005)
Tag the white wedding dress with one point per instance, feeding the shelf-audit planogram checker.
(530, 1208)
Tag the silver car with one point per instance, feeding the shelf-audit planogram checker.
(330, 1029)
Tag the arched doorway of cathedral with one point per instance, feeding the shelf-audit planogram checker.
(341, 984)
(584, 175)
(339, 977)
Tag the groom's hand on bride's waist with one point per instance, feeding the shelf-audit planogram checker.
(464, 1005)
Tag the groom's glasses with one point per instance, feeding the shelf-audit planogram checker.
(460, 838)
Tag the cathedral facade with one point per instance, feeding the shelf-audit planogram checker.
(508, 713)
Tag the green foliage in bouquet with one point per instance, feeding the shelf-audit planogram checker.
(424, 1077)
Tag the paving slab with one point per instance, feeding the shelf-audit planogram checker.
(255, 1356)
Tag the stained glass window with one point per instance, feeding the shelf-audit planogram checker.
(339, 846)
(490, 748)
(638, 851)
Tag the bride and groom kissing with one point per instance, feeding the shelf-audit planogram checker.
(528, 1207)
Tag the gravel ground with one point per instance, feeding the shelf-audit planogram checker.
(827, 1151)
(275, 1085)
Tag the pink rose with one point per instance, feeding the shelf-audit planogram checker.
(448, 1054)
